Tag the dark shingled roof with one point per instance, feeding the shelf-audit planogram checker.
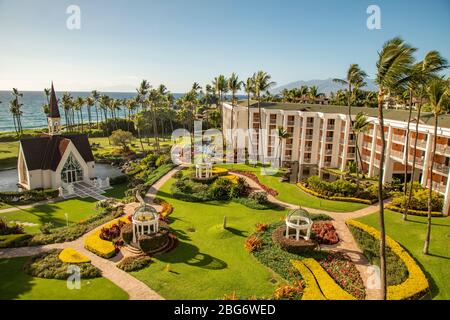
(426, 118)
(45, 152)
(53, 107)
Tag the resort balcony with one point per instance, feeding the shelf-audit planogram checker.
(308, 148)
(330, 127)
(441, 168)
(439, 187)
(419, 161)
(287, 158)
(351, 141)
(291, 123)
(273, 121)
(420, 143)
(307, 160)
(351, 155)
(329, 139)
(327, 164)
(397, 154)
(367, 145)
(328, 152)
(398, 138)
(365, 158)
(309, 125)
(442, 149)
(309, 137)
(289, 146)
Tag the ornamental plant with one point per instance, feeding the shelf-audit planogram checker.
(253, 243)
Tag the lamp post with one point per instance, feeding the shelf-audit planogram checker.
(67, 219)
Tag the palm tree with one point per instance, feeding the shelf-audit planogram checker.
(96, 97)
(79, 103)
(313, 94)
(360, 125)
(153, 100)
(89, 103)
(282, 135)
(438, 92)
(234, 85)
(421, 73)
(67, 103)
(261, 81)
(249, 89)
(142, 92)
(393, 64)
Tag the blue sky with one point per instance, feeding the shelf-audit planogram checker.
(177, 42)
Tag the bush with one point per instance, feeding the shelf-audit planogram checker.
(28, 196)
(252, 204)
(5, 229)
(118, 180)
(261, 227)
(324, 233)
(289, 292)
(334, 198)
(220, 189)
(46, 228)
(419, 200)
(291, 245)
(178, 175)
(127, 233)
(413, 212)
(253, 243)
(253, 177)
(70, 255)
(134, 263)
(49, 266)
(14, 240)
(259, 196)
(150, 160)
(153, 242)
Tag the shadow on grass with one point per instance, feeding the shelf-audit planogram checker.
(13, 281)
(191, 255)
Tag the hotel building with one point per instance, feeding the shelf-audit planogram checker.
(321, 135)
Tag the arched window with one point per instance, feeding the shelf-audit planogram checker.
(72, 171)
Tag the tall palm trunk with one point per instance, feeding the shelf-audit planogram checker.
(96, 115)
(426, 244)
(380, 198)
(155, 128)
(408, 131)
(260, 138)
(408, 202)
(81, 117)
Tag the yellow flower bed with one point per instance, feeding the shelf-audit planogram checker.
(232, 178)
(100, 247)
(69, 255)
(415, 284)
(311, 290)
(334, 198)
(330, 289)
(413, 212)
(219, 171)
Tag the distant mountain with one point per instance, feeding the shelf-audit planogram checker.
(325, 86)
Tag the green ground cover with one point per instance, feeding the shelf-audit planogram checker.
(15, 284)
(210, 261)
(289, 192)
(411, 234)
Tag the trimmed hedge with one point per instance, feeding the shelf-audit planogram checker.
(70, 255)
(28, 196)
(153, 242)
(14, 240)
(416, 284)
(413, 212)
(346, 199)
(134, 263)
(311, 290)
(291, 245)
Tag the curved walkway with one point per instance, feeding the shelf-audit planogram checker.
(347, 243)
(136, 289)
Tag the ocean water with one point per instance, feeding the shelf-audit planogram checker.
(33, 114)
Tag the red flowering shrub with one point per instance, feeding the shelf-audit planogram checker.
(113, 232)
(261, 227)
(253, 177)
(253, 243)
(289, 292)
(344, 272)
(325, 233)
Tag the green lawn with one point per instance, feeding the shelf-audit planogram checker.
(15, 284)
(411, 235)
(8, 154)
(289, 192)
(209, 261)
(76, 209)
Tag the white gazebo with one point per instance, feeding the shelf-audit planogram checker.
(296, 220)
(203, 170)
(145, 220)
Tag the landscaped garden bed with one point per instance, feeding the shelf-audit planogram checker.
(405, 278)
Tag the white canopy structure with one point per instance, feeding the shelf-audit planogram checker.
(145, 220)
(296, 220)
(203, 170)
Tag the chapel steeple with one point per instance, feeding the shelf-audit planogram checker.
(54, 118)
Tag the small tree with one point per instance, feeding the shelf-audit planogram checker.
(122, 138)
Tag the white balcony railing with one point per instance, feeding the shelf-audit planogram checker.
(351, 155)
(398, 138)
(309, 137)
(329, 139)
(441, 168)
(330, 127)
(309, 125)
(420, 143)
(397, 154)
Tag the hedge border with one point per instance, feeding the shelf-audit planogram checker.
(344, 199)
(412, 212)
(416, 285)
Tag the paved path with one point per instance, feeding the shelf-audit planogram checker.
(347, 243)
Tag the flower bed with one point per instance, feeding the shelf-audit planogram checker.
(134, 263)
(311, 290)
(253, 177)
(330, 289)
(219, 171)
(416, 285)
(324, 233)
(102, 248)
(14, 240)
(413, 212)
(28, 196)
(335, 198)
(69, 255)
(291, 245)
(167, 208)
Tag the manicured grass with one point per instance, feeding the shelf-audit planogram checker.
(210, 261)
(15, 284)
(411, 234)
(8, 154)
(290, 193)
(77, 209)
(4, 205)
(106, 147)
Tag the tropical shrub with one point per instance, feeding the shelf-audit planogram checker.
(289, 292)
(167, 208)
(28, 196)
(127, 233)
(153, 242)
(70, 255)
(415, 284)
(253, 177)
(220, 189)
(324, 233)
(14, 240)
(419, 200)
(134, 263)
(48, 265)
(46, 228)
(5, 229)
(261, 227)
(413, 212)
(253, 243)
(335, 198)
